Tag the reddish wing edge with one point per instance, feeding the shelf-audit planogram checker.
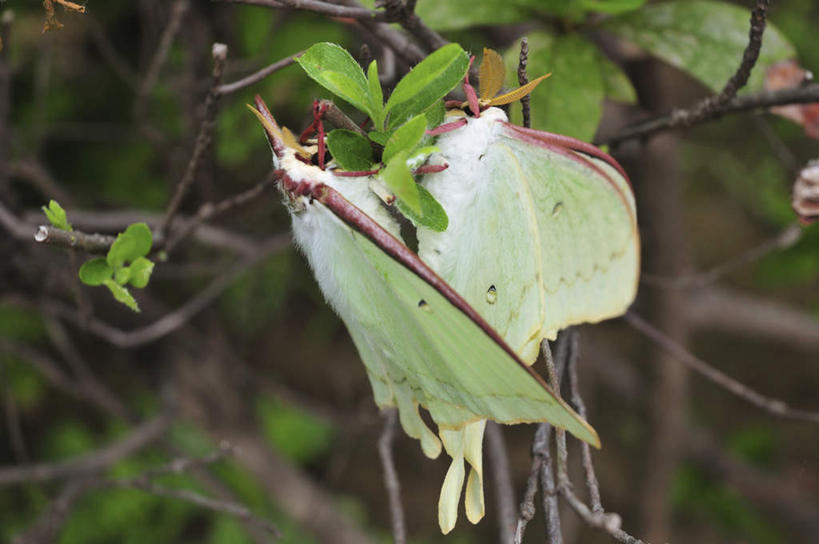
(397, 250)
(365, 225)
(563, 145)
(574, 144)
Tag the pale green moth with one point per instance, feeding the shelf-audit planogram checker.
(421, 343)
(542, 229)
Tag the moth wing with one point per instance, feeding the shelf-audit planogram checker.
(411, 334)
(585, 210)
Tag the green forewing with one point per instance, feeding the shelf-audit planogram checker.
(411, 336)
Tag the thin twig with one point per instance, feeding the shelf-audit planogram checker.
(142, 436)
(255, 77)
(504, 493)
(773, 406)
(317, 6)
(89, 243)
(591, 478)
(217, 505)
(209, 211)
(6, 20)
(551, 512)
(607, 522)
(118, 64)
(527, 505)
(789, 237)
(397, 12)
(165, 41)
(393, 486)
(523, 79)
(203, 138)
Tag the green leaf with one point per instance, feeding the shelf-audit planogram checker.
(135, 242)
(351, 150)
(56, 215)
(569, 102)
(704, 38)
(611, 6)
(95, 271)
(141, 270)
(432, 215)
(405, 138)
(616, 83)
(379, 137)
(332, 67)
(396, 175)
(429, 81)
(435, 114)
(458, 14)
(377, 112)
(122, 275)
(122, 294)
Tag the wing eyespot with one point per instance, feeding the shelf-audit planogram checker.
(424, 305)
(558, 207)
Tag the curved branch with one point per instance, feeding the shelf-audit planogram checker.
(806, 94)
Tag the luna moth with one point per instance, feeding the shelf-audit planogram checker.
(422, 344)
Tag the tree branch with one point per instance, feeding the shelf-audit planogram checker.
(773, 406)
(504, 493)
(90, 243)
(399, 529)
(807, 94)
(142, 436)
(203, 139)
(788, 238)
(255, 77)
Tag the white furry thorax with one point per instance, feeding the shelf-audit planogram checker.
(461, 149)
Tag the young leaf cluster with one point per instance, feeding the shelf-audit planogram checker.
(398, 126)
(124, 265)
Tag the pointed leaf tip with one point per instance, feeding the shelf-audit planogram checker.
(518, 93)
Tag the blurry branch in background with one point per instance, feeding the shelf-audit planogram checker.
(391, 483)
(179, 317)
(140, 437)
(542, 464)
(607, 522)
(773, 406)
(6, 18)
(395, 11)
(203, 138)
(47, 527)
(209, 210)
(727, 310)
(785, 496)
(786, 239)
(502, 480)
(374, 22)
(178, 10)
(255, 77)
